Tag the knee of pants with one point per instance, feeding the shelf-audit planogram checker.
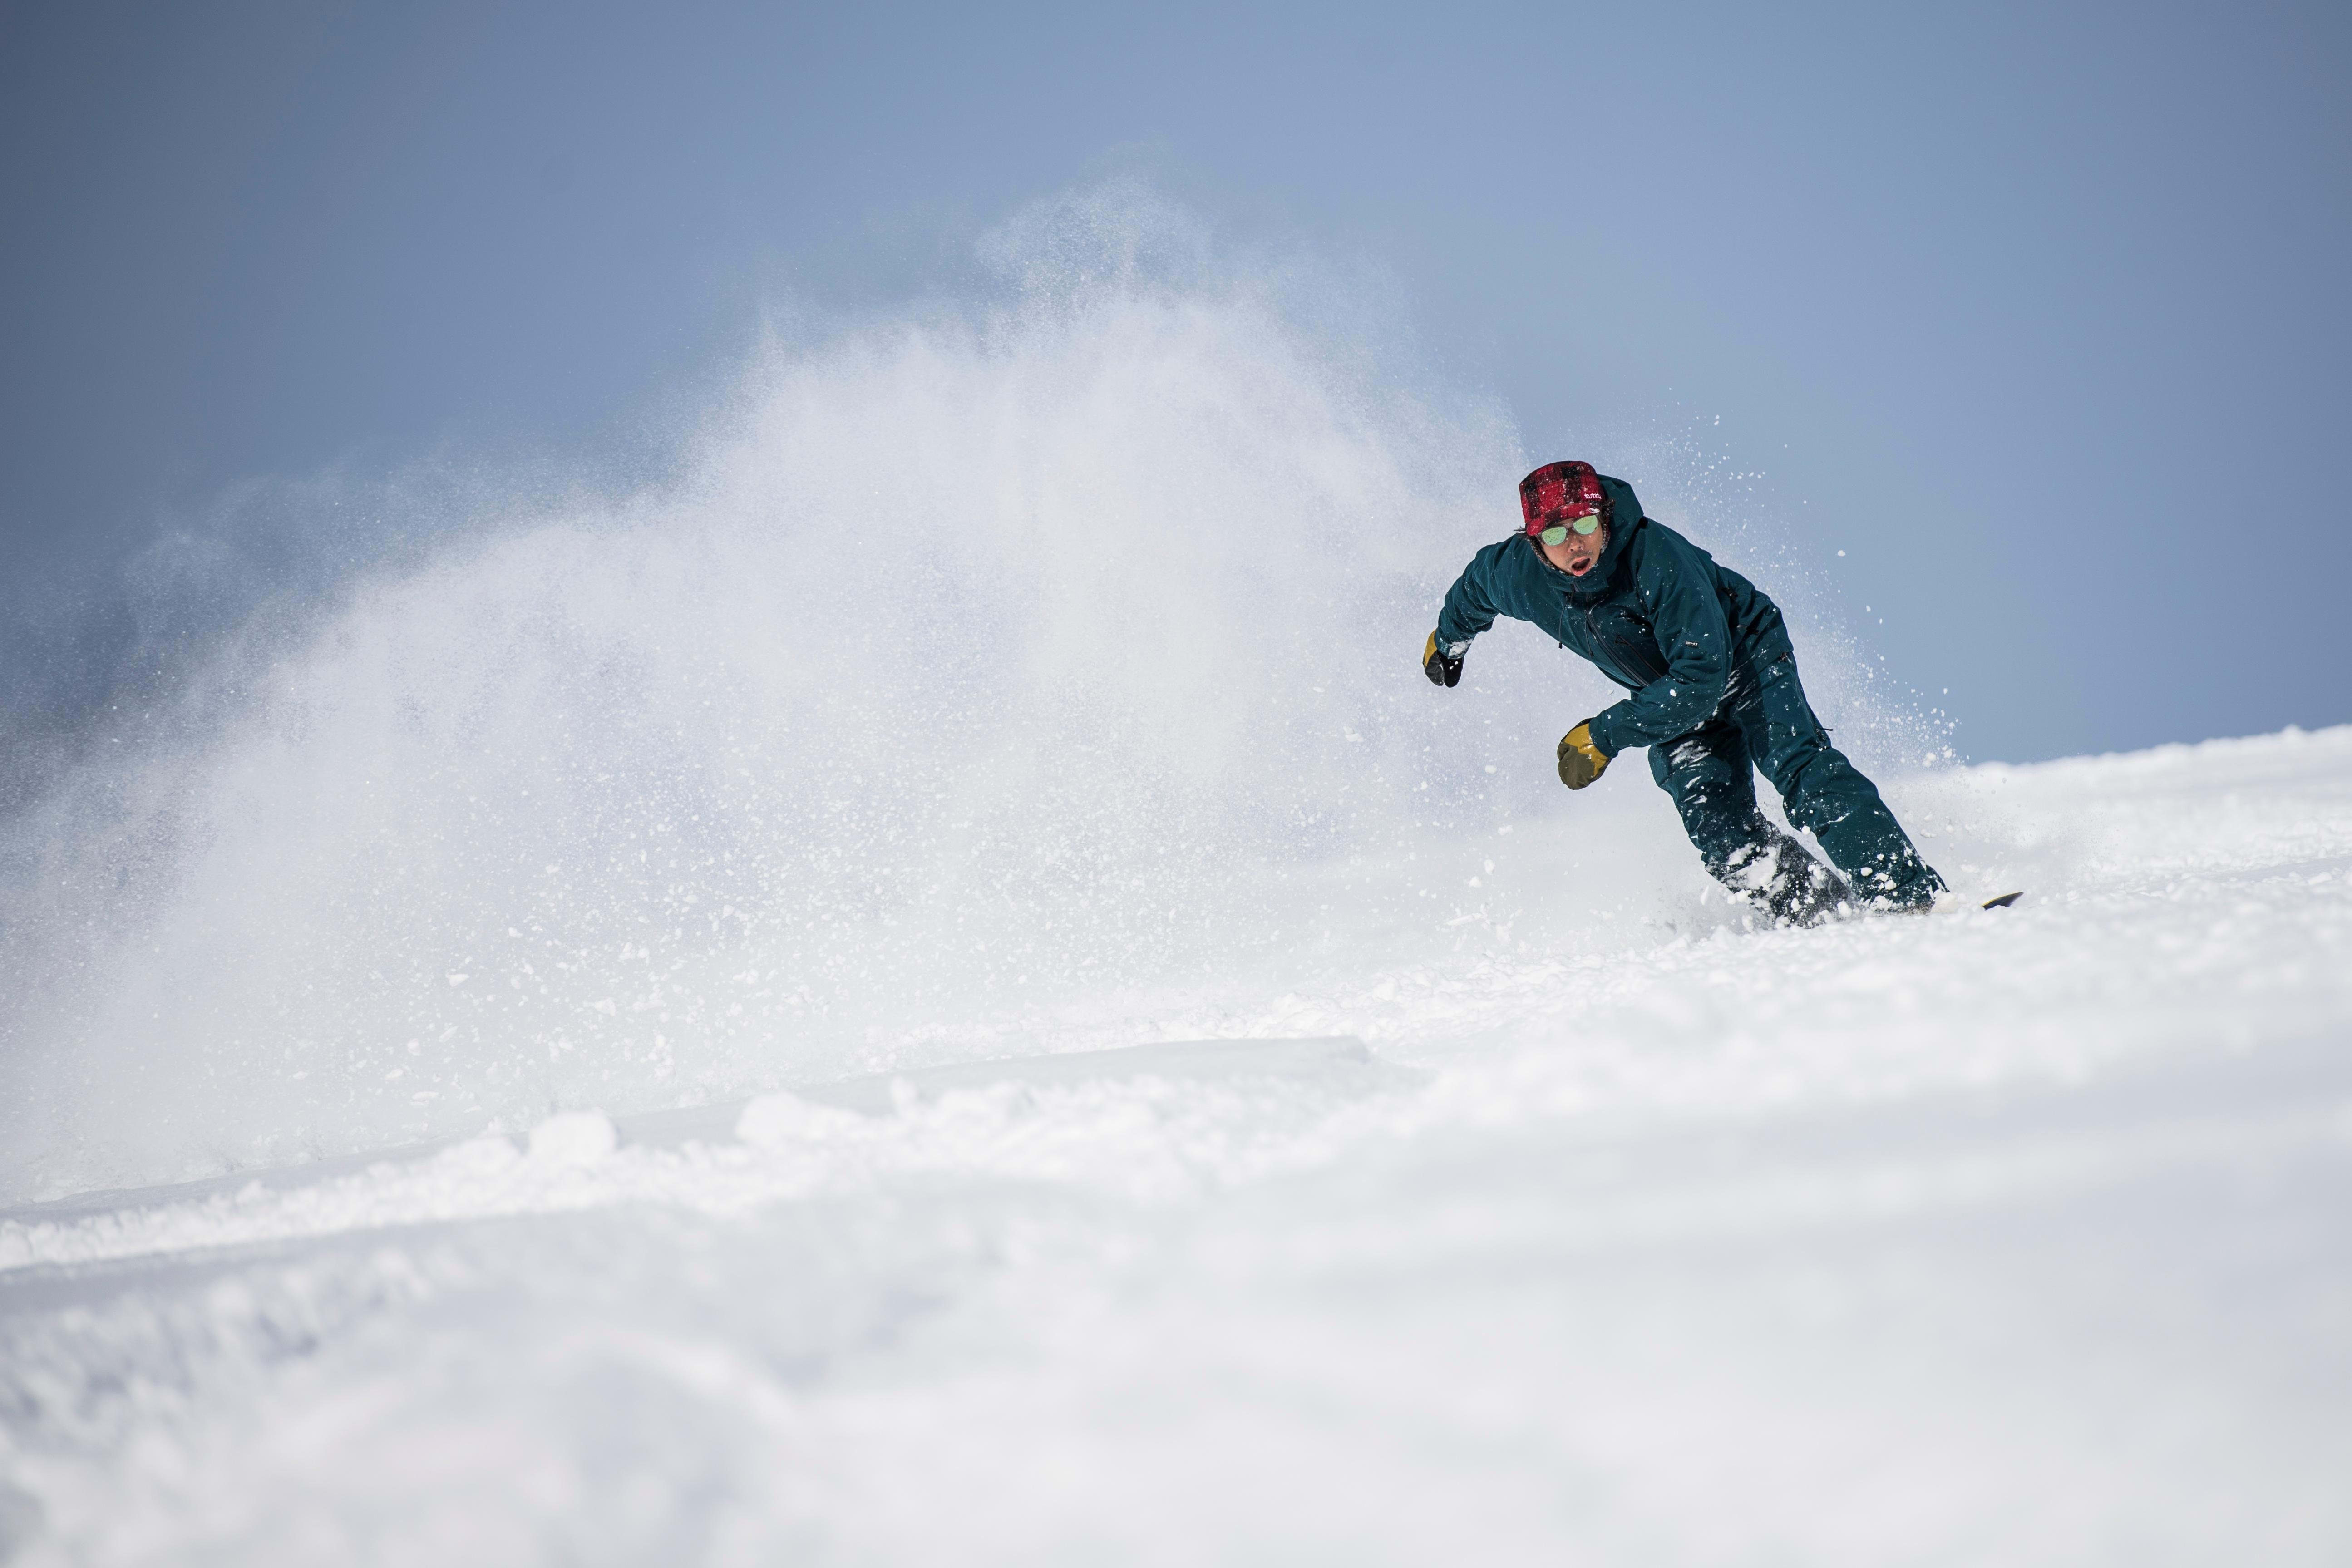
(1689, 768)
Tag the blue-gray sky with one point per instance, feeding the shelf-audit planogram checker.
(2039, 310)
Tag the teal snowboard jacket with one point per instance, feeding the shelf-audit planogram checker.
(1684, 637)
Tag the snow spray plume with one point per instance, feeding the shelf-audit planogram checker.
(979, 671)
(979, 661)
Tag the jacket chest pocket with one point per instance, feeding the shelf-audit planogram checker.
(1627, 641)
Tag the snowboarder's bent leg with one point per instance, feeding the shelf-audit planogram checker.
(1829, 797)
(1709, 775)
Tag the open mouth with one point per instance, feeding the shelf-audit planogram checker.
(1579, 568)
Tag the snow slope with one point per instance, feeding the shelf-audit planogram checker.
(2011, 1238)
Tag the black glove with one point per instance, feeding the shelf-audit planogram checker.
(1442, 668)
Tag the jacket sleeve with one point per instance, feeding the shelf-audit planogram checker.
(1470, 607)
(1685, 613)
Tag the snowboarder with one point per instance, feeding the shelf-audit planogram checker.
(1714, 694)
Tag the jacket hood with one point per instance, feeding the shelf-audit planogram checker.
(1624, 517)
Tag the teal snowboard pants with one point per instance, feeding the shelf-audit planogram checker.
(1709, 773)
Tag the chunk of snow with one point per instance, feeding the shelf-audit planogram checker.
(571, 1138)
(778, 1121)
(486, 1154)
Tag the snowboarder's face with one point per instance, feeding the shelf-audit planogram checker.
(1577, 554)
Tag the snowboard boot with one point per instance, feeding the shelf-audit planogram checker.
(1917, 897)
(1782, 880)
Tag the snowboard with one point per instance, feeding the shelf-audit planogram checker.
(1962, 906)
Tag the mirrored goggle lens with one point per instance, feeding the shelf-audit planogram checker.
(1557, 532)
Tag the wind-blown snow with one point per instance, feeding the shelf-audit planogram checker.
(1991, 1238)
(974, 667)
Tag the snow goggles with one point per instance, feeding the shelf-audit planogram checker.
(1557, 532)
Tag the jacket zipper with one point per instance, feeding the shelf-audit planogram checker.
(1616, 652)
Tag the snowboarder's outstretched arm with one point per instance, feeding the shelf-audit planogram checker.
(1469, 609)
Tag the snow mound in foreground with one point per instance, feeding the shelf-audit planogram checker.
(2010, 1237)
